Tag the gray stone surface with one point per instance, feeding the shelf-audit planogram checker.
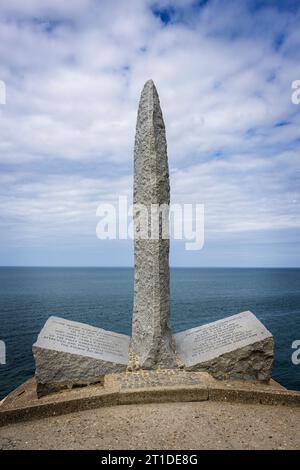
(159, 378)
(151, 337)
(236, 347)
(2, 352)
(69, 353)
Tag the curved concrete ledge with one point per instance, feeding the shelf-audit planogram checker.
(23, 405)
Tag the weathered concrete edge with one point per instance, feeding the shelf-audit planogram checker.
(45, 410)
(150, 395)
(262, 397)
(163, 395)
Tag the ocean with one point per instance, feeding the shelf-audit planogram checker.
(103, 297)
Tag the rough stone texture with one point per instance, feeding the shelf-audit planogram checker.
(151, 337)
(69, 354)
(253, 362)
(158, 378)
(56, 370)
(237, 347)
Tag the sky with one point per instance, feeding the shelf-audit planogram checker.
(74, 72)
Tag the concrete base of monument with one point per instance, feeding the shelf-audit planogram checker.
(159, 386)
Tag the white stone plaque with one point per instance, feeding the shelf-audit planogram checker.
(73, 337)
(209, 341)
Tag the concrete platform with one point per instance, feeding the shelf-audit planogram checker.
(186, 425)
(143, 387)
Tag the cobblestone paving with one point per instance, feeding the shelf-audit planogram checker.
(157, 378)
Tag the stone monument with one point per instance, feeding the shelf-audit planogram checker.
(152, 344)
(69, 353)
(236, 347)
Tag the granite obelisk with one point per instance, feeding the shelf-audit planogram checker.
(152, 344)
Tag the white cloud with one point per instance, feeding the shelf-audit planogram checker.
(73, 74)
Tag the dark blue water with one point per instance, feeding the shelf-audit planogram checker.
(103, 297)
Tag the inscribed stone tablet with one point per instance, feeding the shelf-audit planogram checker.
(207, 342)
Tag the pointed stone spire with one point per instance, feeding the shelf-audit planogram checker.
(151, 344)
